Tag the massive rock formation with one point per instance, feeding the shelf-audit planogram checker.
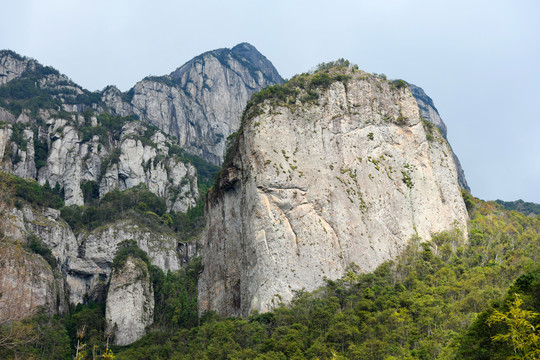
(328, 170)
(83, 261)
(201, 102)
(29, 79)
(130, 302)
(429, 112)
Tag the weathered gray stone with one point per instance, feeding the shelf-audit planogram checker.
(430, 113)
(130, 302)
(202, 101)
(316, 186)
(27, 284)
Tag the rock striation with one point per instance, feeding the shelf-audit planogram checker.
(201, 102)
(130, 302)
(330, 169)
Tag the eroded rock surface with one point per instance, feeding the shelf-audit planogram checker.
(430, 113)
(27, 284)
(201, 102)
(317, 184)
(130, 302)
(135, 157)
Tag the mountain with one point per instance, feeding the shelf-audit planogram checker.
(99, 174)
(201, 102)
(332, 168)
(101, 192)
(528, 208)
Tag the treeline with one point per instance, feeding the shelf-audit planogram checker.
(418, 307)
(435, 301)
(521, 206)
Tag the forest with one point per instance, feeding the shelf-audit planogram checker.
(453, 297)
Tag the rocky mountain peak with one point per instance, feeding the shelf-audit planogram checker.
(242, 55)
(201, 102)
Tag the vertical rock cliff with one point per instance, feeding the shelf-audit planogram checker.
(130, 302)
(429, 112)
(27, 284)
(73, 151)
(329, 169)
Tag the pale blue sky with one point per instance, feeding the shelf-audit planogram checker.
(478, 60)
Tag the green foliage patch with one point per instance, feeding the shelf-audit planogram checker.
(137, 202)
(413, 308)
(32, 192)
(35, 245)
(126, 249)
(432, 302)
(521, 206)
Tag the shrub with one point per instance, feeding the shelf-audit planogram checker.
(36, 246)
(126, 249)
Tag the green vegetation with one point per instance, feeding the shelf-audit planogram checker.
(305, 87)
(137, 202)
(435, 301)
(108, 127)
(32, 192)
(418, 307)
(129, 248)
(399, 84)
(429, 128)
(165, 79)
(35, 245)
(509, 327)
(26, 93)
(521, 206)
(205, 171)
(42, 337)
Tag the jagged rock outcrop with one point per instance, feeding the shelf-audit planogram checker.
(69, 157)
(430, 113)
(88, 273)
(84, 261)
(12, 66)
(130, 302)
(56, 90)
(201, 102)
(331, 169)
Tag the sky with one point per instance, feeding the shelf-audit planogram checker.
(478, 60)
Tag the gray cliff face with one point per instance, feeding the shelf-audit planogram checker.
(89, 271)
(313, 187)
(130, 302)
(12, 66)
(130, 159)
(430, 113)
(27, 284)
(62, 144)
(201, 102)
(84, 261)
